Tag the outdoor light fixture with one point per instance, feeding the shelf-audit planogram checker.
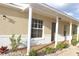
(59, 18)
(4, 17)
(8, 18)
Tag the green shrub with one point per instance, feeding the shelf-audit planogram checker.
(33, 53)
(15, 42)
(74, 42)
(61, 46)
(66, 45)
(49, 50)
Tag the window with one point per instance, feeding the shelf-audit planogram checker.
(37, 26)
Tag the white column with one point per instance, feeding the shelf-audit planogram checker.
(29, 30)
(56, 31)
(70, 33)
(77, 32)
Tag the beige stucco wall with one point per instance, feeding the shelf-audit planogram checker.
(61, 31)
(61, 28)
(20, 21)
(47, 22)
(20, 26)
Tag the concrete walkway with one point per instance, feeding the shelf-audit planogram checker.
(71, 51)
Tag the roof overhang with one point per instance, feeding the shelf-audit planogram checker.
(18, 6)
(46, 10)
(60, 12)
(42, 9)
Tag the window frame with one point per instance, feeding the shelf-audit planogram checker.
(42, 37)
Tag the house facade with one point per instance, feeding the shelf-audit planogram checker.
(37, 23)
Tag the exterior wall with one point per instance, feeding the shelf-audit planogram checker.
(20, 26)
(5, 41)
(15, 23)
(61, 36)
(7, 27)
(67, 34)
(47, 22)
(61, 31)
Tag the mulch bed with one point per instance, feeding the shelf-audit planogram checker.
(19, 52)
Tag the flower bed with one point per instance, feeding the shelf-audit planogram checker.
(3, 50)
(49, 50)
(62, 45)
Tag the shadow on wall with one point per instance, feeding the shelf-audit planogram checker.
(9, 19)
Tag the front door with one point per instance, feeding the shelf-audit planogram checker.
(53, 31)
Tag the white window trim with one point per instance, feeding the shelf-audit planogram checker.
(42, 34)
(42, 31)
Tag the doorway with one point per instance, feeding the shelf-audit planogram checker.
(53, 32)
(65, 32)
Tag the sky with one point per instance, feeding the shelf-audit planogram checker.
(71, 9)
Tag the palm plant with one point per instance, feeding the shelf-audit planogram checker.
(15, 42)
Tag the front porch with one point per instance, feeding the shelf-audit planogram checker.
(63, 27)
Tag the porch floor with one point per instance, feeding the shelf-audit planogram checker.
(41, 47)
